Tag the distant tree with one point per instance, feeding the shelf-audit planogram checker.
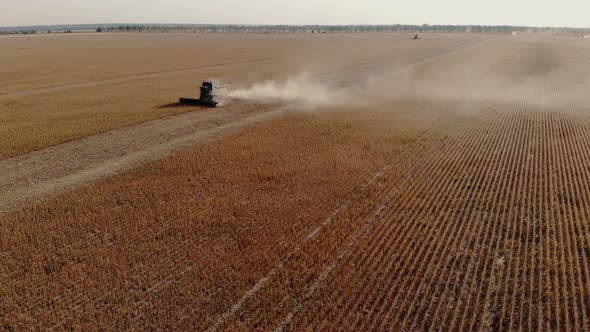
(48, 31)
(99, 29)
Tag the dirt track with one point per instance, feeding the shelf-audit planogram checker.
(48, 171)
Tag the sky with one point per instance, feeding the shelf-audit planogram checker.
(572, 13)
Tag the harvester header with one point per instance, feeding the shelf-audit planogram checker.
(212, 92)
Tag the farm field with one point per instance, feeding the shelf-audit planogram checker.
(54, 89)
(450, 193)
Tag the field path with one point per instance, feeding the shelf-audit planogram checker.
(54, 169)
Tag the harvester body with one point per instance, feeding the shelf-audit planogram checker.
(211, 94)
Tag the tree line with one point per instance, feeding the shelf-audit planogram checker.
(312, 29)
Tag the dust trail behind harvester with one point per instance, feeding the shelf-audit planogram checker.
(300, 91)
(438, 77)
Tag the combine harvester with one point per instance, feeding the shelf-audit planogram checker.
(212, 93)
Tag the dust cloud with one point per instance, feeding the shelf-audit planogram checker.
(534, 76)
(300, 91)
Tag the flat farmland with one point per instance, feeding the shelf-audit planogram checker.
(58, 88)
(443, 186)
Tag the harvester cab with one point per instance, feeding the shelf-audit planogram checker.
(211, 94)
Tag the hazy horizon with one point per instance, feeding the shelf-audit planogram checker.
(568, 13)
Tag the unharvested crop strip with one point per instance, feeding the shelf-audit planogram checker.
(560, 292)
(565, 240)
(428, 252)
(552, 309)
(488, 191)
(517, 151)
(582, 225)
(485, 316)
(456, 238)
(580, 179)
(569, 186)
(514, 248)
(487, 252)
